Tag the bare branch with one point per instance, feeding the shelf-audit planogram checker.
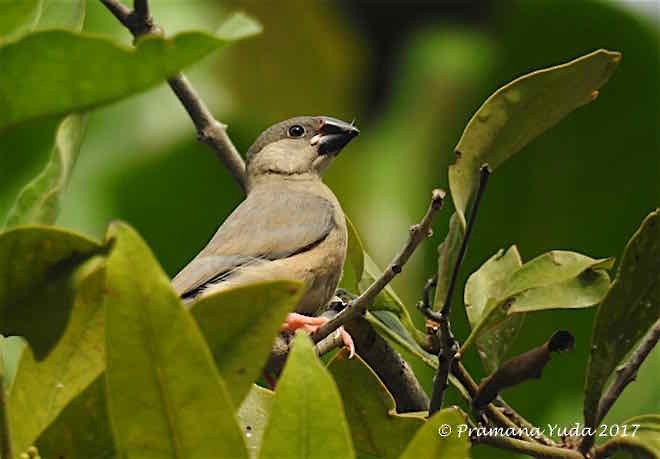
(209, 130)
(358, 307)
(447, 345)
(625, 374)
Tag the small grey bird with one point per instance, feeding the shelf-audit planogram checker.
(290, 225)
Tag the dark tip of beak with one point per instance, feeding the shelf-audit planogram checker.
(335, 135)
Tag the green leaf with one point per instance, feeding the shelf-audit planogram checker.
(447, 258)
(519, 112)
(18, 16)
(631, 307)
(240, 325)
(39, 200)
(253, 417)
(164, 392)
(429, 444)
(5, 437)
(44, 386)
(554, 280)
(307, 417)
(56, 81)
(82, 430)
(640, 439)
(376, 428)
(354, 265)
(486, 283)
(58, 14)
(35, 261)
(239, 26)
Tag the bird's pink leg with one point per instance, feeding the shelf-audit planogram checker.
(310, 324)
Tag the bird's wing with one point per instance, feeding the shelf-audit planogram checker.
(270, 224)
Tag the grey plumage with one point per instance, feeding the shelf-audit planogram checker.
(290, 226)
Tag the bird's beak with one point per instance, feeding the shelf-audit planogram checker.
(333, 135)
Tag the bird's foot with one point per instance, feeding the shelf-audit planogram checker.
(295, 321)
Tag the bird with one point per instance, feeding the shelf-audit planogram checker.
(289, 226)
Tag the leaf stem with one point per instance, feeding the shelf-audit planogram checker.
(210, 131)
(529, 448)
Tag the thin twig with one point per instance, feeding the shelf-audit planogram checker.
(447, 345)
(519, 420)
(525, 447)
(484, 173)
(209, 130)
(626, 374)
(358, 307)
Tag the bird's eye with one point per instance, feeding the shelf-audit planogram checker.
(296, 131)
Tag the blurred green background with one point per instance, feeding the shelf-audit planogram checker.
(411, 73)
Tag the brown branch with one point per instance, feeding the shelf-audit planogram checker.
(357, 307)
(525, 447)
(447, 345)
(209, 130)
(391, 368)
(519, 420)
(625, 374)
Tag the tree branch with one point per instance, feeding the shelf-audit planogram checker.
(356, 308)
(447, 345)
(625, 374)
(529, 448)
(209, 130)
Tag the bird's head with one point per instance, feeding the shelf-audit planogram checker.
(301, 145)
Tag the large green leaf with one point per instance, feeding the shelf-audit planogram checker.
(354, 264)
(34, 262)
(631, 307)
(240, 325)
(429, 442)
(640, 439)
(520, 111)
(82, 430)
(554, 280)
(307, 417)
(39, 200)
(18, 16)
(55, 80)
(486, 283)
(376, 428)
(165, 394)
(253, 417)
(43, 386)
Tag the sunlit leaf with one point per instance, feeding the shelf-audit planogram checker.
(639, 440)
(307, 415)
(39, 200)
(428, 443)
(44, 64)
(18, 16)
(554, 280)
(253, 416)
(165, 394)
(631, 307)
(240, 325)
(82, 430)
(519, 112)
(58, 14)
(375, 427)
(486, 283)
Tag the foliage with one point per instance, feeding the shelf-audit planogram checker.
(102, 359)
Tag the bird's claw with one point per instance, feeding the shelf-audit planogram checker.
(295, 321)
